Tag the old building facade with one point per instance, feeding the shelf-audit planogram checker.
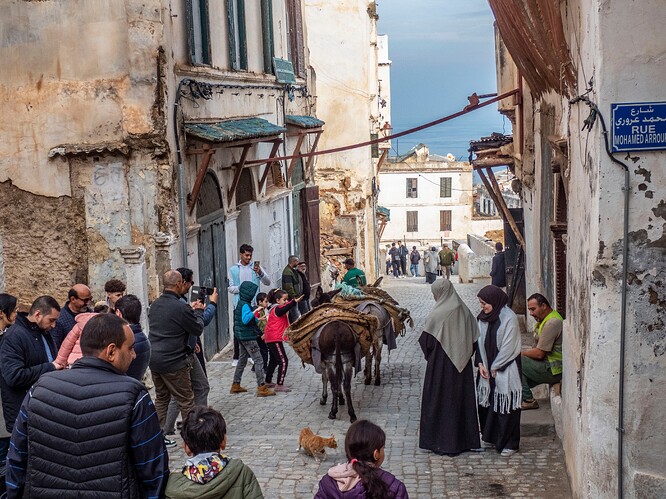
(571, 66)
(136, 138)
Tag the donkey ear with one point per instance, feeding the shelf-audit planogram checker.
(319, 292)
(331, 294)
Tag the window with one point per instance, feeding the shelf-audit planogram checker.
(445, 187)
(445, 220)
(237, 38)
(412, 221)
(198, 34)
(411, 188)
(296, 45)
(267, 34)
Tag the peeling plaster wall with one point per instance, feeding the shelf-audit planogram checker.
(623, 72)
(343, 54)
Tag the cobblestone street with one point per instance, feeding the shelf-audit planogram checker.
(263, 432)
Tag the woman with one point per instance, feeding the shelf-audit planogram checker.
(8, 310)
(304, 305)
(499, 386)
(431, 262)
(449, 423)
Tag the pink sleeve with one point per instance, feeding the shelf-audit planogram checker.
(68, 344)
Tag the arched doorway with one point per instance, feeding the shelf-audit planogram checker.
(213, 261)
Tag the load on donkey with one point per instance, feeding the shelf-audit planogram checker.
(334, 336)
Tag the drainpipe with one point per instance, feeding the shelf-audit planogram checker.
(181, 177)
(589, 122)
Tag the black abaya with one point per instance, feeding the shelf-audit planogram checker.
(449, 423)
(502, 430)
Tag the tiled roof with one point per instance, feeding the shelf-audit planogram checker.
(303, 121)
(233, 130)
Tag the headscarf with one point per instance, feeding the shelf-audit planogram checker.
(493, 296)
(452, 324)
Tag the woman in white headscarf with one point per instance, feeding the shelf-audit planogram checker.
(449, 423)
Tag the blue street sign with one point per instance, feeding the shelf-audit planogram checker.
(639, 126)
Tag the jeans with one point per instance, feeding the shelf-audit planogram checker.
(414, 269)
(403, 265)
(236, 350)
(536, 372)
(249, 348)
(175, 384)
(396, 268)
(200, 387)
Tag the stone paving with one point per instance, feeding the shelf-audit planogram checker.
(263, 432)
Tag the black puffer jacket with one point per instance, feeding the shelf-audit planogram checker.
(23, 360)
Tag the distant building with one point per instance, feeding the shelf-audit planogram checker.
(430, 198)
(485, 206)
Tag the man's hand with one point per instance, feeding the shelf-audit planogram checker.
(483, 371)
(198, 305)
(197, 349)
(298, 298)
(257, 269)
(214, 297)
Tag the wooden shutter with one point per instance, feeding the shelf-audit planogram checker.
(237, 35)
(412, 221)
(445, 187)
(445, 220)
(296, 40)
(412, 188)
(267, 34)
(310, 234)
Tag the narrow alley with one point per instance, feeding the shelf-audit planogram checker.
(263, 432)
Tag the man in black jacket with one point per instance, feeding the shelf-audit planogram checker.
(498, 271)
(26, 353)
(172, 322)
(93, 430)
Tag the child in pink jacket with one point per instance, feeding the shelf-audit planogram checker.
(70, 350)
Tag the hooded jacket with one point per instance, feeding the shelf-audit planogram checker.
(342, 482)
(235, 481)
(70, 349)
(245, 331)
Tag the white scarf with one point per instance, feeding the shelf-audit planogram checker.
(508, 384)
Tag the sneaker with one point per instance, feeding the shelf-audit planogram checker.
(282, 389)
(251, 361)
(486, 445)
(169, 443)
(234, 363)
(528, 405)
(508, 452)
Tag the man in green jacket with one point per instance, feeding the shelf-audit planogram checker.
(292, 284)
(543, 363)
(446, 260)
(354, 277)
(209, 474)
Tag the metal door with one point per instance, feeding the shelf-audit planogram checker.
(213, 269)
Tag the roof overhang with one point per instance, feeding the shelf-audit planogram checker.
(234, 132)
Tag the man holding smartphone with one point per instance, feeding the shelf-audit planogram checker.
(245, 270)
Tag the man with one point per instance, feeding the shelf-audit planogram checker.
(198, 377)
(26, 353)
(292, 284)
(446, 259)
(245, 270)
(304, 305)
(543, 363)
(414, 259)
(78, 302)
(172, 322)
(114, 289)
(394, 252)
(404, 253)
(92, 430)
(498, 271)
(354, 277)
(128, 308)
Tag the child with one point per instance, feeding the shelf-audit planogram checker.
(362, 475)
(262, 317)
(208, 473)
(246, 331)
(278, 322)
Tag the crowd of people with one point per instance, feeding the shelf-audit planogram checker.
(434, 262)
(459, 413)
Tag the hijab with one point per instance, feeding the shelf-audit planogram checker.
(452, 324)
(495, 297)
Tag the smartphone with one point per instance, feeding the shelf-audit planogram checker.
(256, 263)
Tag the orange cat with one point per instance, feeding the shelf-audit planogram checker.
(313, 445)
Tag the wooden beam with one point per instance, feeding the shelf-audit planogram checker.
(382, 158)
(339, 251)
(269, 164)
(380, 229)
(201, 174)
(491, 162)
(504, 207)
(237, 174)
(310, 164)
(292, 163)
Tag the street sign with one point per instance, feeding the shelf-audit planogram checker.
(639, 126)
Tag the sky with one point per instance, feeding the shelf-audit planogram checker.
(441, 52)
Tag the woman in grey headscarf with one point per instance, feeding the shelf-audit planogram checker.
(449, 423)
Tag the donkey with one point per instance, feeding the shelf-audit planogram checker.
(337, 342)
(385, 324)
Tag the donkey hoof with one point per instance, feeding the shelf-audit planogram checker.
(378, 382)
(367, 381)
(322, 401)
(331, 415)
(352, 418)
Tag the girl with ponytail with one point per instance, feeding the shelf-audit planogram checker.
(361, 477)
